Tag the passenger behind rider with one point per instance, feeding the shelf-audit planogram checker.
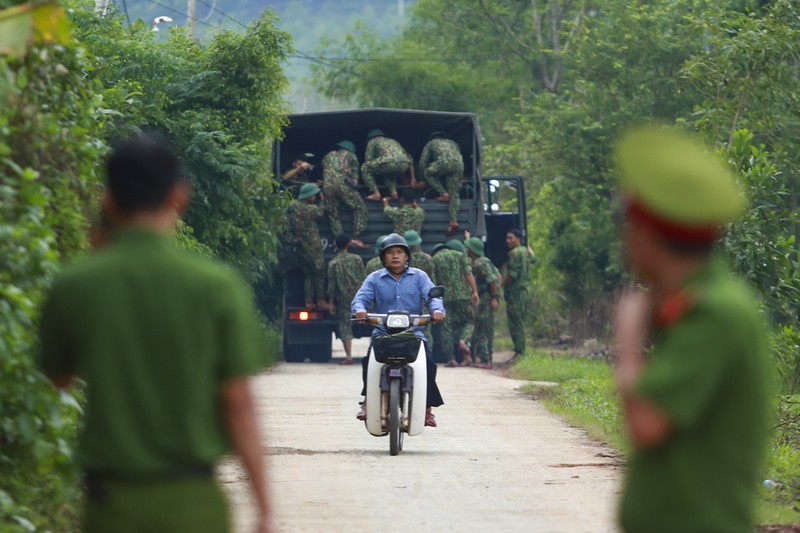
(399, 286)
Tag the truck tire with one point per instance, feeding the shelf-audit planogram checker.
(319, 353)
(294, 353)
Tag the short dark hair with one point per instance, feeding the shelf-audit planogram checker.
(342, 240)
(516, 233)
(141, 173)
(408, 196)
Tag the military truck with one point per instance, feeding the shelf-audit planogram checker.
(489, 206)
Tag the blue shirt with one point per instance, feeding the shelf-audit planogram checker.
(382, 293)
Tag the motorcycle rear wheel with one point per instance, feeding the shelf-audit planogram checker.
(395, 436)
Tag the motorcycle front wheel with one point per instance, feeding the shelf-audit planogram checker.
(395, 435)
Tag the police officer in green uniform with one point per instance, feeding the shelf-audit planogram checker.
(375, 264)
(453, 271)
(165, 341)
(487, 278)
(515, 289)
(696, 402)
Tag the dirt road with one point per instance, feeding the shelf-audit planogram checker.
(497, 462)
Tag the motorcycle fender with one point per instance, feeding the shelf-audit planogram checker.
(374, 394)
(419, 393)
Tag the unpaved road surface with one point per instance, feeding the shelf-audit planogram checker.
(497, 462)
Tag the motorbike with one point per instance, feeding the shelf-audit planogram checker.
(397, 376)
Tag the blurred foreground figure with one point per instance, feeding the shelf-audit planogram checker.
(165, 342)
(696, 403)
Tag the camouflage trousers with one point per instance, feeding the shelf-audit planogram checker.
(344, 327)
(313, 265)
(390, 169)
(337, 194)
(483, 337)
(450, 173)
(459, 316)
(517, 307)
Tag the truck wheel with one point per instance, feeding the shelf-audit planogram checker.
(319, 353)
(294, 353)
(395, 437)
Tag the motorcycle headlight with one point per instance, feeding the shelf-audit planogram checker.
(397, 321)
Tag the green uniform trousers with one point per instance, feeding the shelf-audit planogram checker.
(517, 307)
(483, 336)
(390, 169)
(445, 176)
(337, 194)
(313, 265)
(459, 314)
(181, 505)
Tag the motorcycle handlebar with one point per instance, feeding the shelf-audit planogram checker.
(379, 319)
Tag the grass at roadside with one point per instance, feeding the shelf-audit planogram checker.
(586, 397)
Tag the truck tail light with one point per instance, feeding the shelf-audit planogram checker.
(304, 316)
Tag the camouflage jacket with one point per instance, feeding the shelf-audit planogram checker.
(485, 274)
(423, 261)
(438, 150)
(345, 275)
(380, 147)
(451, 269)
(373, 265)
(302, 218)
(340, 167)
(405, 218)
(518, 268)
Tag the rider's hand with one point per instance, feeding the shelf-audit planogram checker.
(361, 315)
(475, 299)
(438, 317)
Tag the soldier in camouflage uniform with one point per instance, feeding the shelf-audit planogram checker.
(302, 172)
(424, 262)
(303, 232)
(345, 276)
(340, 174)
(515, 287)
(453, 271)
(385, 157)
(375, 264)
(409, 216)
(442, 168)
(487, 277)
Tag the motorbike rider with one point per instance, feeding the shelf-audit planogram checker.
(399, 286)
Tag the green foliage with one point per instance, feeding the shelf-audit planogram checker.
(48, 153)
(220, 104)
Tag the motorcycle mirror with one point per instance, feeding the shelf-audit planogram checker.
(436, 292)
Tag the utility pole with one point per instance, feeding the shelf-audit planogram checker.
(191, 11)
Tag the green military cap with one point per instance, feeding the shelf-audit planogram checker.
(347, 145)
(475, 245)
(673, 179)
(309, 189)
(378, 244)
(439, 247)
(436, 134)
(375, 133)
(412, 238)
(455, 244)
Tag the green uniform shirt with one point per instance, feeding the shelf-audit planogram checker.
(485, 274)
(345, 276)
(451, 268)
(518, 268)
(373, 265)
(423, 261)
(709, 374)
(154, 332)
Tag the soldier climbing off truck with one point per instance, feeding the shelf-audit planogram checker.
(488, 207)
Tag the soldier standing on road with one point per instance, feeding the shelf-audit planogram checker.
(442, 167)
(419, 259)
(692, 351)
(304, 233)
(409, 216)
(340, 175)
(375, 263)
(165, 341)
(345, 275)
(515, 288)
(487, 278)
(453, 271)
(387, 159)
